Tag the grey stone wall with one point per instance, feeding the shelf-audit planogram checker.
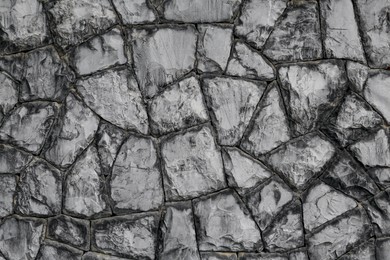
(194, 129)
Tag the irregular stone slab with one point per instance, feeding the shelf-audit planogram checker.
(72, 231)
(302, 158)
(84, 195)
(134, 236)
(377, 93)
(364, 251)
(247, 63)
(270, 127)
(382, 248)
(224, 224)
(23, 25)
(232, 102)
(322, 203)
(213, 50)
(162, 55)
(378, 209)
(178, 233)
(7, 191)
(20, 238)
(357, 74)
(297, 36)
(339, 236)
(257, 20)
(341, 38)
(13, 160)
(39, 190)
(54, 250)
(115, 96)
(136, 180)
(311, 91)
(99, 52)
(179, 106)
(192, 11)
(375, 31)
(134, 12)
(78, 127)
(218, 256)
(299, 254)
(262, 256)
(193, 164)
(8, 94)
(75, 21)
(243, 172)
(97, 256)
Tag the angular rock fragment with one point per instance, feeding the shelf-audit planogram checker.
(365, 251)
(193, 164)
(178, 107)
(73, 135)
(133, 236)
(302, 158)
(311, 91)
(20, 238)
(134, 12)
(115, 96)
(378, 209)
(98, 256)
(382, 248)
(270, 127)
(9, 93)
(232, 102)
(75, 21)
(357, 75)
(54, 250)
(178, 233)
(68, 230)
(218, 256)
(296, 36)
(257, 20)
(224, 224)
(13, 160)
(377, 93)
(162, 55)
(135, 182)
(247, 63)
(7, 191)
(213, 50)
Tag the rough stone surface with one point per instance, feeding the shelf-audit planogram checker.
(12, 160)
(378, 209)
(7, 192)
(364, 251)
(383, 248)
(54, 250)
(218, 256)
(135, 11)
(98, 256)
(8, 94)
(357, 75)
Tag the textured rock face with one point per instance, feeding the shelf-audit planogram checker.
(51, 250)
(376, 92)
(7, 191)
(134, 12)
(378, 209)
(364, 251)
(12, 160)
(357, 75)
(8, 95)
(382, 248)
(218, 256)
(98, 256)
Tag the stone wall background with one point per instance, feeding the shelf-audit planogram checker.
(194, 129)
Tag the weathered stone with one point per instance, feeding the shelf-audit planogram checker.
(224, 224)
(297, 35)
(54, 250)
(377, 93)
(115, 96)
(232, 102)
(258, 19)
(193, 164)
(378, 209)
(382, 248)
(9, 92)
(135, 182)
(262, 256)
(69, 230)
(135, 11)
(357, 75)
(73, 135)
(311, 91)
(365, 251)
(218, 256)
(7, 192)
(178, 233)
(302, 158)
(75, 21)
(97, 256)
(270, 127)
(134, 236)
(99, 52)
(178, 107)
(213, 50)
(13, 160)
(20, 238)
(247, 63)
(162, 55)
(381, 176)
(299, 254)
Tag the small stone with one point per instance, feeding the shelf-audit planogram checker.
(247, 63)
(377, 93)
(365, 251)
(270, 127)
(134, 12)
(115, 96)
(257, 20)
(13, 160)
(382, 248)
(136, 180)
(29, 125)
(73, 135)
(97, 256)
(54, 250)
(162, 55)
(381, 176)
(7, 192)
(297, 36)
(178, 233)
(357, 74)
(266, 256)
(179, 106)
(20, 238)
(224, 224)
(232, 102)
(8, 95)
(98, 53)
(72, 231)
(302, 158)
(213, 50)
(193, 164)
(378, 209)
(133, 236)
(218, 256)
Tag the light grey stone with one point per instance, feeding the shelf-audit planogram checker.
(365, 251)
(9, 93)
(357, 74)
(193, 164)
(135, 11)
(179, 106)
(224, 224)
(299, 254)
(378, 209)
(262, 256)
(218, 256)
(54, 250)
(381, 176)
(135, 182)
(382, 248)
(13, 160)
(7, 192)
(377, 93)
(98, 256)
(232, 102)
